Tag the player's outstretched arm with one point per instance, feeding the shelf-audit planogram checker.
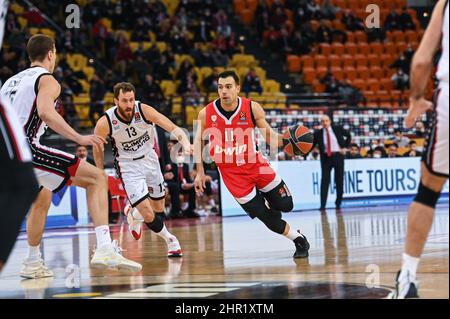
(102, 130)
(48, 92)
(271, 137)
(422, 65)
(162, 121)
(200, 178)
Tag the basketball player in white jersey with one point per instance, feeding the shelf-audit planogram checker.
(32, 93)
(435, 159)
(17, 179)
(130, 126)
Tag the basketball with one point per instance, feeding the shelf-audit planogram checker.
(297, 140)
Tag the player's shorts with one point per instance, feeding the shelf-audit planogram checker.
(243, 181)
(53, 168)
(436, 151)
(13, 144)
(141, 179)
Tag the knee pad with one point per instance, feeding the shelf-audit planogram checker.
(280, 198)
(157, 224)
(273, 222)
(426, 196)
(160, 215)
(256, 206)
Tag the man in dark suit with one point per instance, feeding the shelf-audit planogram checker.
(333, 141)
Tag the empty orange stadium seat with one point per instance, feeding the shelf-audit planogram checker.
(376, 48)
(350, 36)
(387, 59)
(350, 73)
(334, 60)
(338, 73)
(321, 72)
(246, 16)
(289, 14)
(314, 25)
(348, 60)
(399, 36)
(387, 84)
(376, 72)
(318, 87)
(294, 63)
(362, 72)
(239, 5)
(360, 36)
(361, 60)
(309, 74)
(320, 61)
(401, 47)
(360, 84)
(252, 5)
(350, 48)
(337, 48)
(374, 60)
(307, 61)
(363, 48)
(390, 48)
(325, 49)
(338, 25)
(412, 36)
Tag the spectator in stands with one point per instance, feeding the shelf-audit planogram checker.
(391, 21)
(354, 152)
(272, 37)
(171, 179)
(324, 33)
(420, 129)
(124, 57)
(252, 83)
(262, 17)
(72, 81)
(210, 82)
(161, 71)
(187, 188)
(352, 22)
(110, 80)
(300, 45)
(401, 80)
(82, 152)
(348, 94)
(400, 139)
(402, 63)
(412, 150)
(313, 10)
(328, 10)
(97, 95)
(139, 69)
(285, 43)
(409, 54)
(278, 18)
(219, 59)
(202, 33)
(152, 93)
(70, 113)
(392, 150)
(376, 34)
(378, 152)
(405, 21)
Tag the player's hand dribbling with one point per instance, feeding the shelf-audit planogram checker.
(200, 182)
(96, 141)
(416, 108)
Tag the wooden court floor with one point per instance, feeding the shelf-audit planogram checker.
(354, 253)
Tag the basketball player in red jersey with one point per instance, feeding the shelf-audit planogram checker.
(229, 122)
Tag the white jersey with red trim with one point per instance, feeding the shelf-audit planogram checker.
(131, 140)
(21, 91)
(443, 67)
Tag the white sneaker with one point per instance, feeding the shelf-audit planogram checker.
(134, 225)
(404, 288)
(174, 248)
(35, 269)
(111, 257)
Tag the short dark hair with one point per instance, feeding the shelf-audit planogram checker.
(124, 87)
(38, 46)
(79, 145)
(397, 130)
(412, 142)
(226, 74)
(393, 144)
(354, 145)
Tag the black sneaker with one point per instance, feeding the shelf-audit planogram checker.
(301, 247)
(404, 290)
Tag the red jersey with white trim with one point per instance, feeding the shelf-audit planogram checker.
(232, 140)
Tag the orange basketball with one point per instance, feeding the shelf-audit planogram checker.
(297, 140)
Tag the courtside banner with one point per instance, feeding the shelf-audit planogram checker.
(367, 182)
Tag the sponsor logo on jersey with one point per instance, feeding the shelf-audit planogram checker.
(282, 192)
(114, 122)
(150, 190)
(242, 116)
(137, 117)
(238, 149)
(136, 144)
(214, 118)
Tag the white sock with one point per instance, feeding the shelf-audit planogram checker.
(136, 215)
(165, 234)
(34, 253)
(292, 234)
(103, 236)
(409, 267)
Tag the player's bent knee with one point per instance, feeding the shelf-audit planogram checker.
(255, 207)
(280, 198)
(273, 222)
(427, 196)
